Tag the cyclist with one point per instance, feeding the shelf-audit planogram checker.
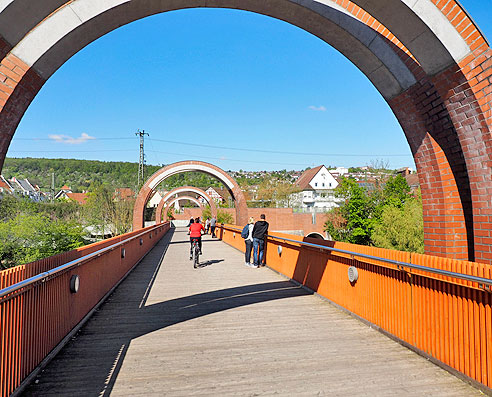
(195, 232)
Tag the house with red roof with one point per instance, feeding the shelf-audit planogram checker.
(217, 194)
(317, 187)
(5, 186)
(124, 193)
(66, 193)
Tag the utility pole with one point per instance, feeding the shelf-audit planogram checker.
(141, 162)
(52, 187)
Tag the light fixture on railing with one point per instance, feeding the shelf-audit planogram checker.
(123, 252)
(353, 274)
(74, 284)
(279, 250)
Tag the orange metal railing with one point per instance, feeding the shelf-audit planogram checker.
(440, 307)
(37, 314)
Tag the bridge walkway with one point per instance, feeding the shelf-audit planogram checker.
(226, 329)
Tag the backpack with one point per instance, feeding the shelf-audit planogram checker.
(245, 232)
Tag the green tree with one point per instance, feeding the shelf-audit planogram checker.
(276, 192)
(224, 217)
(99, 209)
(27, 238)
(396, 191)
(207, 212)
(123, 215)
(401, 228)
(357, 213)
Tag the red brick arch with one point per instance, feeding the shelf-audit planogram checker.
(428, 59)
(185, 189)
(188, 166)
(170, 202)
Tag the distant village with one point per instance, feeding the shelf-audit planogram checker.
(315, 187)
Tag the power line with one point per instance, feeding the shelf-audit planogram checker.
(70, 151)
(279, 151)
(252, 150)
(225, 159)
(51, 139)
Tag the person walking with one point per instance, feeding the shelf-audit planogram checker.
(213, 221)
(260, 230)
(207, 225)
(247, 234)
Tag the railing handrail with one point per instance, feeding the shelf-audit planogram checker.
(66, 266)
(447, 273)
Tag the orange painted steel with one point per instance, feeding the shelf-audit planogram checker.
(34, 320)
(447, 318)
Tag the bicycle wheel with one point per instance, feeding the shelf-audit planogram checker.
(196, 253)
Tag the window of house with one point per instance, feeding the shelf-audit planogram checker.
(323, 184)
(316, 184)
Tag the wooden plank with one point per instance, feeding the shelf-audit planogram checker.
(227, 329)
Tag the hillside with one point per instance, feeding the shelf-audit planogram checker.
(79, 174)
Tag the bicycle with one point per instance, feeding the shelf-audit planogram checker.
(195, 252)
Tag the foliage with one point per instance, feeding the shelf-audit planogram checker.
(277, 192)
(207, 212)
(123, 215)
(103, 212)
(401, 228)
(27, 238)
(224, 217)
(196, 179)
(77, 174)
(389, 217)
(357, 211)
(396, 191)
(170, 214)
(99, 209)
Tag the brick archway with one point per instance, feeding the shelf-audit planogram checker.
(185, 189)
(175, 199)
(188, 166)
(428, 60)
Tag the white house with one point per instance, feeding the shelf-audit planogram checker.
(339, 171)
(155, 200)
(216, 194)
(25, 188)
(317, 185)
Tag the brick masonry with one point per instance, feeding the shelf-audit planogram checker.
(279, 219)
(447, 119)
(164, 205)
(241, 210)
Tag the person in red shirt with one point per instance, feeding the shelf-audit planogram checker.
(195, 231)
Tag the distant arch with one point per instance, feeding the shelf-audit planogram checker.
(189, 166)
(184, 189)
(177, 199)
(316, 235)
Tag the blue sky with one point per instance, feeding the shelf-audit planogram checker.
(246, 84)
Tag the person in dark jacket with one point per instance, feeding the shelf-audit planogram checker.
(260, 230)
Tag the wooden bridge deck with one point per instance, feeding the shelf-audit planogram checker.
(226, 329)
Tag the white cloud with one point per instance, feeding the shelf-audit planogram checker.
(320, 108)
(70, 140)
